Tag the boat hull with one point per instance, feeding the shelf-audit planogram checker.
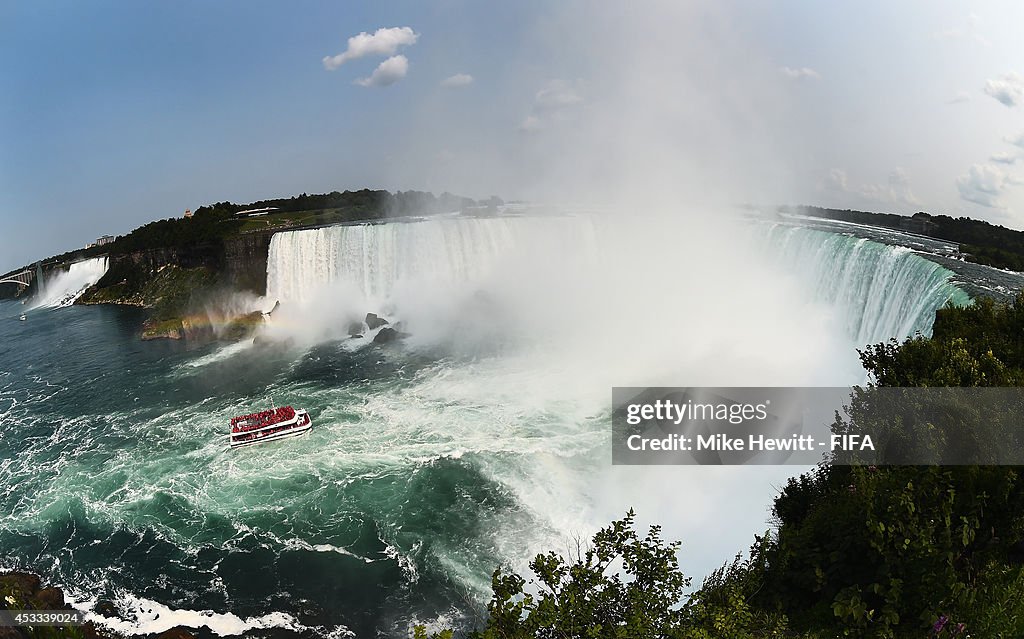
(303, 426)
(291, 432)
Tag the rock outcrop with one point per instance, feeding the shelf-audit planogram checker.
(25, 591)
(162, 329)
(387, 335)
(374, 321)
(355, 329)
(242, 327)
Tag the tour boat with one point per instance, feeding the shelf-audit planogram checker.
(23, 318)
(269, 426)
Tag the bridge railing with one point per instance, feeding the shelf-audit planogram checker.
(24, 278)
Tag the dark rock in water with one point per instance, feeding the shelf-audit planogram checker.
(177, 632)
(355, 329)
(357, 336)
(50, 599)
(162, 329)
(243, 326)
(373, 321)
(388, 335)
(105, 608)
(195, 329)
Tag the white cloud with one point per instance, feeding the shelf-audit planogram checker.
(959, 98)
(457, 80)
(388, 72)
(385, 41)
(837, 180)
(896, 189)
(556, 94)
(531, 124)
(551, 102)
(1004, 158)
(970, 30)
(1008, 89)
(800, 73)
(899, 186)
(1017, 141)
(984, 184)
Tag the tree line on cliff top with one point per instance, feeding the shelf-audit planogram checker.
(212, 223)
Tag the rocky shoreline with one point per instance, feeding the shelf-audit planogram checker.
(25, 591)
(231, 329)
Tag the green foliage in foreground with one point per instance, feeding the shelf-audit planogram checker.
(889, 551)
(626, 586)
(977, 345)
(586, 596)
(900, 551)
(19, 593)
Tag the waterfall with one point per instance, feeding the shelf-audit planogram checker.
(65, 287)
(375, 259)
(880, 291)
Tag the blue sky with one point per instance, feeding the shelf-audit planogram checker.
(113, 114)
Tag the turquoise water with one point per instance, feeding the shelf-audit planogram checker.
(885, 291)
(117, 482)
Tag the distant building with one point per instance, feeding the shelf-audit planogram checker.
(256, 212)
(104, 239)
(188, 212)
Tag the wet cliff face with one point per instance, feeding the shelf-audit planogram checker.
(239, 263)
(133, 270)
(245, 261)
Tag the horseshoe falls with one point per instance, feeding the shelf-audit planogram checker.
(880, 291)
(376, 260)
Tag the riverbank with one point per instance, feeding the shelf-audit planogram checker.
(25, 591)
(183, 303)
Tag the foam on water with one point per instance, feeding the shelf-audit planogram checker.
(140, 616)
(219, 354)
